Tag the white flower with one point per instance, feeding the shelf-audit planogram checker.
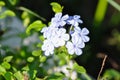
(60, 38)
(74, 20)
(48, 47)
(58, 20)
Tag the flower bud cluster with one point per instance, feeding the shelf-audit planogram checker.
(56, 34)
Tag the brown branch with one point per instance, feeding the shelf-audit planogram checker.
(103, 63)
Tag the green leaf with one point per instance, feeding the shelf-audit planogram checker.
(6, 65)
(56, 76)
(8, 76)
(2, 3)
(43, 59)
(9, 13)
(30, 59)
(79, 69)
(26, 18)
(36, 53)
(56, 7)
(32, 74)
(13, 2)
(112, 74)
(100, 12)
(19, 75)
(8, 58)
(37, 26)
(41, 37)
(2, 70)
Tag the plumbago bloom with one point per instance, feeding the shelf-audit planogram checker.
(56, 35)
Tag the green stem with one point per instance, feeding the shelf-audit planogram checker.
(114, 4)
(31, 12)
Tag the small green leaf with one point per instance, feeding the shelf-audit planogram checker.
(2, 70)
(36, 53)
(6, 65)
(30, 59)
(8, 76)
(26, 68)
(8, 58)
(56, 76)
(13, 2)
(79, 69)
(32, 74)
(41, 37)
(37, 26)
(19, 75)
(2, 3)
(26, 18)
(42, 59)
(56, 7)
(9, 13)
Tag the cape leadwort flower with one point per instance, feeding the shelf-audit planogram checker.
(55, 34)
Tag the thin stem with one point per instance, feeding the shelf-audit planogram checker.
(103, 63)
(114, 4)
(31, 12)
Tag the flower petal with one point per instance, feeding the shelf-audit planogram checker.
(85, 38)
(84, 31)
(78, 51)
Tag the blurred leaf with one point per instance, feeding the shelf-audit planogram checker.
(114, 4)
(9, 13)
(8, 76)
(8, 58)
(43, 59)
(115, 19)
(26, 18)
(100, 12)
(37, 25)
(41, 37)
(86, 77)
(6, 65)
(56, 7)
(2, 3)
(26, 68)
(13, 2)
(2, 70)
(36, 53)
(79, 69)
(111, 74)
(62, 62)
(56, 76)
(14, 69)
(19, 75)
(31, 12)
(32, 74)
(30, 59)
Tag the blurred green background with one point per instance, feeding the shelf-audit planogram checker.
(101, 17)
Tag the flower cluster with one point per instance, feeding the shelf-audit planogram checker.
(56, 35)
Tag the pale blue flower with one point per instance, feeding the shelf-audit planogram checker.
(74, 20)
(48, 47)
(49, 32)
(58, 20)
(73, 48)
(60, 38)
(82, 33)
